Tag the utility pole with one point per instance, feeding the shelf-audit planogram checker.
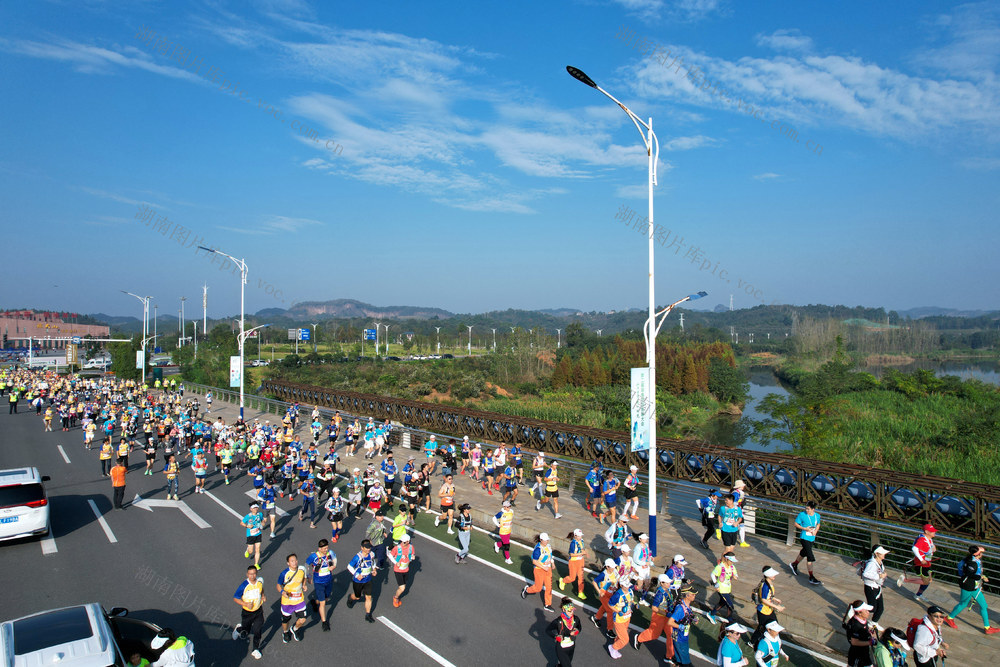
(315, 346)
(204, 310)
(181, 341)
(494, 340)
(730, 303)
(438, 329)
(470, 338)
(682, 321)
(558, 338)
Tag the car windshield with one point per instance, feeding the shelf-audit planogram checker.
(51, 629)
(20, 494)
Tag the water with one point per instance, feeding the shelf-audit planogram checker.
(737, 433)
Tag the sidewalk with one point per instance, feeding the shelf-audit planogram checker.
(813, 613)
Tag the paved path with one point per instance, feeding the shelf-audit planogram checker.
(813, 613)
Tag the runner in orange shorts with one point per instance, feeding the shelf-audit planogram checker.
(541, 558)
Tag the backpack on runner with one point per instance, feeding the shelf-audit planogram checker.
(911, 629)
(757, 596)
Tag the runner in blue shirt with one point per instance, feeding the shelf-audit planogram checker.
(362, 568)
(253, 522)
(730, 654)
(808, 521)
(319, 573)
(730, 516)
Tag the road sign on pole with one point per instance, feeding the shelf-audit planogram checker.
(76, 340)
(303, 334)
(293, 334)
(370, 334)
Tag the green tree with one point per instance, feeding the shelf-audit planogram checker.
(727, 383)
(123, 359)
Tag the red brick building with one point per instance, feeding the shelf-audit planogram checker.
(43, 327)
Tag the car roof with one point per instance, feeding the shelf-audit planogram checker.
(72, 636)
(19, 476)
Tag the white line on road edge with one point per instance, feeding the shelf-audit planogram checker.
(224, 505)
(416, 642)
(63, 452)
(280, 511)
(104, 524)
(49, 544)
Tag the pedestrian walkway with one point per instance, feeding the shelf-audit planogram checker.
(813, 613)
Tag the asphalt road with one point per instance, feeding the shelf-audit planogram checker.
(165, 569)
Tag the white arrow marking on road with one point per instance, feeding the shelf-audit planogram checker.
(281, 512)
(104, 524)
(49, 544)
(224, 505)
(149, 504)
(416, 642)
(63, 452)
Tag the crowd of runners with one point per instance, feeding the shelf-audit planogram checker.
(306, 467)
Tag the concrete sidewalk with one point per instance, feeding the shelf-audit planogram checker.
(813, 613)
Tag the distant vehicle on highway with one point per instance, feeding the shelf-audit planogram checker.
(24, 507)
(259, 362)
(97, 363)
(81, 636)
(447, 356)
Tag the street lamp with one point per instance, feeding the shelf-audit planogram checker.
(494, 340)
(386, 340)
(315, 348)
(243, 281)
(470, 338)
(180, 342)
(145, 328)
(652, 145)
(599, 332)
(558, 338)
(438, 329)
(377, 326)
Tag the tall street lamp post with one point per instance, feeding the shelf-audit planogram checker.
(144, 300)
(243, 281)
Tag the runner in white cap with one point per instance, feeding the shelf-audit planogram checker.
(730, 654)
(577, 553)
(541, 559)
(769, 648)
(631, 492)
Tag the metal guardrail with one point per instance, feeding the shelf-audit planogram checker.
(971, 510)
(844, 534)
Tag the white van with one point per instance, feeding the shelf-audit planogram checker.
(24, 507)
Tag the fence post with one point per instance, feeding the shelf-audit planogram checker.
(790, 538)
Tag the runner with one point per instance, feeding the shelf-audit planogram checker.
(400, 523)
(874, 576)
(447, 495)
(642, 562)
(389, 472)
(253, 522)
(923, 557)
(860, 634)
(402, 555)
(464, 526)
(170, 468)
(662, 606)
(617, 535)
(335, 513)
(808, 521)
(320, 575)
(741, 501)
(489, 471)
(551, 490)
(606, 583)
(621, 604)
(377, 496)
(564, 630)
(541, 559)
(631, 485)
(150, 449)
(376, 535)
(970, 584)
(767, 604)
(504, 521)
(731, 518)
(250, 597)
(892, 649)
(308, 490)
(355, 490)
(430, 448)
(708, 506)
(293, 587)
(577, 552)
(928, 641)
(267, 498)
(723, 576)
(362, 568)
(681, 620)
(730, 654)
(508, 481)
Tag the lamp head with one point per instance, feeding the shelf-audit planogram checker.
(580, 76)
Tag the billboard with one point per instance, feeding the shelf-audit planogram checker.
(235, 371)
(641, 409)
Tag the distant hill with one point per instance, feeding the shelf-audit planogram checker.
(935, 311)
(349, 308)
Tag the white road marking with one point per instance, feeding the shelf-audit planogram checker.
(280, 511)
(49, 544)
(423, 648)
(104, 524)
(63, 452)
(224, 505)
(149, 503)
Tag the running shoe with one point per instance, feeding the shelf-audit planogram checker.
(704, 544)
(369, 618)
(236, 633)
(635, 641)
(437, 521)
(273, 535)
(496, 547)
(558, 516)
(295, 635)
(814, 581)
(635, 516)
(326, 625)
(451, 532)
(795, 568)
(458, 559)
(718, 534)
(509, 562)
(285, 637)
(711, 618)
(246, 554)
(991, 631)
(562, 585)
(524, 592)
(582, 596)
(744, 544)
(613, 653)
(256, 654)
(396, 602)
(951, 623)
(350, 602)
(538, 505)
(548, 608)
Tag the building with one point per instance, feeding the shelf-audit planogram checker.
(43, 327)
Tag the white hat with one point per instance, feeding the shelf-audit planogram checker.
(405, 537)
(623, 518)
(578, 532)
(731, 556)
(902, 640)
(774, 626)
(159, 641)
(357, 470)
(881, 550)
(770, 572)
(680, 559)
(506, 503)
(543, 537)
(864, 606)
(663, 578)
(609, 563)
(739, 484)
(643, 536)
(625, 548)
(633, 468)
(737, 627)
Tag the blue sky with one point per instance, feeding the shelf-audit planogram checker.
(439, 154)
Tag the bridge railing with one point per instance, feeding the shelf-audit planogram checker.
(959, 507)
(844, 534)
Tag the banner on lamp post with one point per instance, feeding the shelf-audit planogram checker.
(640, 409)
(235, 371)
(140, 359)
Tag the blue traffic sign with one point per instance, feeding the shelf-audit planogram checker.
(76, 340)
(371, 334)
(303, 334)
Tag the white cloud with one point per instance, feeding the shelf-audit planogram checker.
(687, 143)
(785, 40)
(678, 10)
(119, 198)
(965, 43)
(274, 224)
(981, 163)
(767, 176)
